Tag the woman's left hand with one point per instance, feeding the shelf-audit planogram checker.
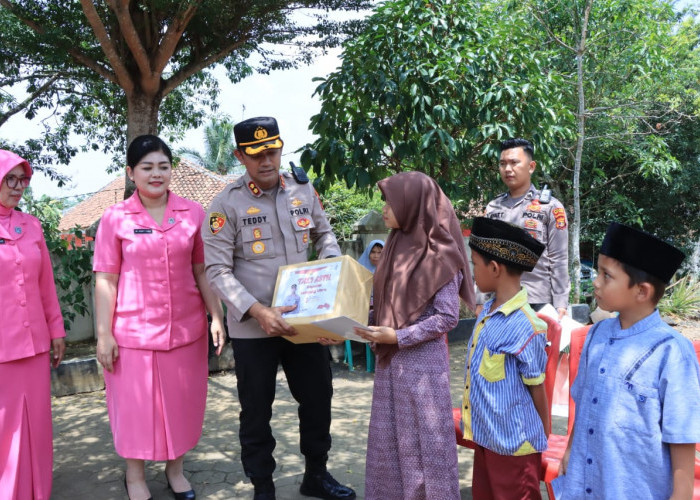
(378, 334)
(58, 346)
(218, 334)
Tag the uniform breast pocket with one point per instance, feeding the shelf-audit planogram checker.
(638, 409)
(302, 230)
(492, 366)
(257, 242)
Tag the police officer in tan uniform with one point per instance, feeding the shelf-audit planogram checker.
(543, 217)
(264, 220)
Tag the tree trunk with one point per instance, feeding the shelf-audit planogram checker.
(581, 132)
(142, 118)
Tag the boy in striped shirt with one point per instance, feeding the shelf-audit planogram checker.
(504, 408)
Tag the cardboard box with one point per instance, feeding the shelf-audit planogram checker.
(331, 295)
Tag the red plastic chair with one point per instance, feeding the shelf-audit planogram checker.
(556, 444)
(553, 340)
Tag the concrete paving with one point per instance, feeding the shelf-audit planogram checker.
(87, 467)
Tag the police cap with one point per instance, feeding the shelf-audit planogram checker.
(257, 134)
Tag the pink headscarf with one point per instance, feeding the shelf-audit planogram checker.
(9, 160)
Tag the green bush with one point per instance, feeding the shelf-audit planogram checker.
(72, 265)
(682, 299)
(344, 207)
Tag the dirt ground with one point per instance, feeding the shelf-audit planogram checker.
(690, 328)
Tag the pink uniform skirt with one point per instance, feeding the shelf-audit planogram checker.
(156, 400)
(26, 437)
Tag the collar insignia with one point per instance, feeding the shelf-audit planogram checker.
(254, 189)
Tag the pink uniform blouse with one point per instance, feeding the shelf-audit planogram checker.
(30, 314)
(159, 306)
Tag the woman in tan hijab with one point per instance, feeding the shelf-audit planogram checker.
(411, 451)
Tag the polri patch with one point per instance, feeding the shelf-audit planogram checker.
(303, 222)
(143, 231)
(217, 221)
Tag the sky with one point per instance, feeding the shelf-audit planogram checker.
(286, 95)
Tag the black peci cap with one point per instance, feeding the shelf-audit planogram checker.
(505, 243)
(642, 250)
(257, 134)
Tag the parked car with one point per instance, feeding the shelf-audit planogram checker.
(587, 275)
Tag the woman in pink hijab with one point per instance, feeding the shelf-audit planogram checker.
(32, 326)
(423, 272)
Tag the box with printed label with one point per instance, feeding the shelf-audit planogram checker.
(329, 297)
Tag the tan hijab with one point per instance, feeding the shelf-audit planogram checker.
(419, 258)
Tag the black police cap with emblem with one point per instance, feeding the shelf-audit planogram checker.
(255, 135)
(642, 250)
(505, 243)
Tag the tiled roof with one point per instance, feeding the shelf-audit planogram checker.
(189, 181)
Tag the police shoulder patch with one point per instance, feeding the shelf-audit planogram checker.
(217, 221)
(559, 218)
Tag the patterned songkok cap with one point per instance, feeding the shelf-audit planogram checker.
(505, 243)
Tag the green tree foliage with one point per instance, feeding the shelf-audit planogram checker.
(344, 207)
(219, 144)
(72, 265)
(141, 65)
(637, 96)
(434, 86)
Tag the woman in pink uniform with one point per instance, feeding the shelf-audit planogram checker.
(150, 295)
(31, 326)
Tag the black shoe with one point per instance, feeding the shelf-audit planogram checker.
(264, 488)
(183, 495)
(323, 485)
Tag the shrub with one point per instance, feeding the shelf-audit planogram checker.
(682, 299)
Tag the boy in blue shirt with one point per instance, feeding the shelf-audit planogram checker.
(637, 392)
(504, 407)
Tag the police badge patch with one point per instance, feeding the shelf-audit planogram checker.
(258, 247)
(216, 222)
(559, 218)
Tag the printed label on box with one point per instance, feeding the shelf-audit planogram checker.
(313, 290)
